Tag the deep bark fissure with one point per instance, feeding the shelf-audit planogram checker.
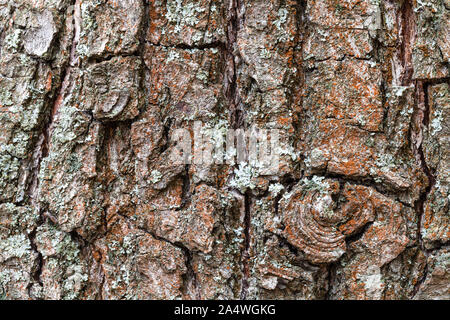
(358, 234)
(237, 121)
(181, 46)
(422, 119)
(332, 269)
(186, 192)
(408, 35)
(421, 280)
(190, 275)
(231, 56)
(246, 246)
(36, 276)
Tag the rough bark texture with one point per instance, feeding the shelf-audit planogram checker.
(92, 208)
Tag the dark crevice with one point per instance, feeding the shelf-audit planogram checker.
(285, 243)
(422, 115)
(141, 54)
(358, 234)
(105, 58)
(166, 135)
(186, 193)
(407, 36)
(331, 278)
(276, 203)
(212, 45)
(189, 276)
(43, 143)
(421, 120)
(236, 116)
(236, 120)
(289, 181)
(102, 284)
(36, 275)
(78, 239)
(421, 280)
(435, 246)
(245, 254)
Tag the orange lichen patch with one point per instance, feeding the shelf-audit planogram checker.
(354, 97)
(341, 149)
(285, 121)
(357, 208)
(323, 44)
(279, 271)
(49, 82)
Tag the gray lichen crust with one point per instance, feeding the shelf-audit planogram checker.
(92, 206)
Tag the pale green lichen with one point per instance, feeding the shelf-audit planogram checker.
(276, 188)
(281, 18)
(20, 217)
(155, 176)
(361, 119)
(202, 76)
(243, 177)
(12, 40)
(73, 163)
(436, 123)
(9, 169)
(62, 258)
(316, 183)
(421, 5)
(399, 90)
(82, 50)
(89, 21)
(182, 14)
(16, 246)
(172, 55)
(288, 150)
(6, 98)
(385, 162)
(216, 134)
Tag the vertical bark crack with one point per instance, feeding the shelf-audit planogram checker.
(237, 121)
(246, 249)
(407, 36)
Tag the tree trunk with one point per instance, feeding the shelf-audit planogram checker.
(102, 100)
